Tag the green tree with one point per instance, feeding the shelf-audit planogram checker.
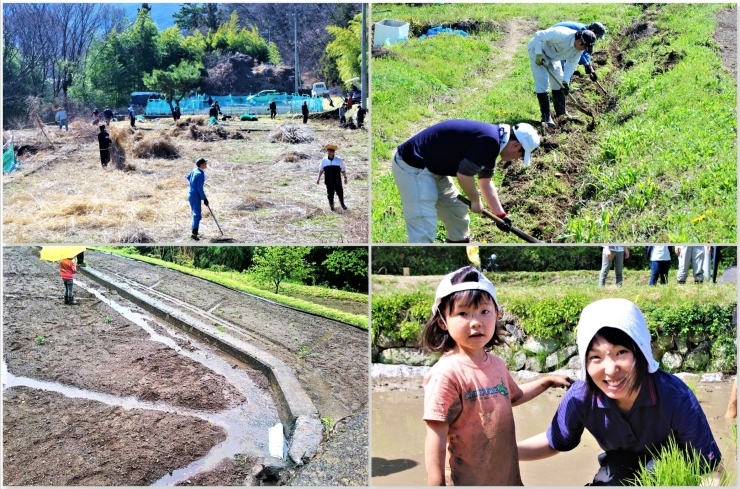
(175, 82)
(173, 48)
(347, 262)
(193, 16)
(108, 71)
(345, 49)
(275, 264)
(142, 41)
(229, 38)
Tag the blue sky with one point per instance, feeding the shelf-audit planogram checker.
(161, 12)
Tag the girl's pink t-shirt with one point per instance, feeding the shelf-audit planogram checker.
(475, 400)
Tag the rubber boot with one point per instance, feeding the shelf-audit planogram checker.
(544, 101)
(341, 201)
(331, 203)
(558, 100)
(195, 234)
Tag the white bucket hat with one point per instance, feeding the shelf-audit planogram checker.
(446, 288)
(620, 314)
(528, 138)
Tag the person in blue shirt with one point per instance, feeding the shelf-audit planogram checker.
(424, 165)
(197, 179)
(595, 27)
(630, 407)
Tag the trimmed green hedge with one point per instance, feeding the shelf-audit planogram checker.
(551, 315)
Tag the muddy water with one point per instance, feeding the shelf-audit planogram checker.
(398, 437)
(246, 425)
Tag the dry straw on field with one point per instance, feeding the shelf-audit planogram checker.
(155, 145)
(292, 133)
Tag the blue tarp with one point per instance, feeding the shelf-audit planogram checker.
(9, 160)
(443, 30)
(237, 104)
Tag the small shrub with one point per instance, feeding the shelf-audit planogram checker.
(40, 340)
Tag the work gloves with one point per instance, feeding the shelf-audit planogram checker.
(565, 88)
(591, 72)
(205, 201)
(539, 59)
(504, 226)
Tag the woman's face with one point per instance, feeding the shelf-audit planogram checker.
(610, 367)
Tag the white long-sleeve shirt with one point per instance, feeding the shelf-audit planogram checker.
(557, 43)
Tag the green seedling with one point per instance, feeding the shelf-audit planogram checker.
(303, 352)
(222, 329)
(674, 467)
(40, 340)
(108, 319)
(328, 423)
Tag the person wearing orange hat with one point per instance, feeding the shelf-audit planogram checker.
(333, 167)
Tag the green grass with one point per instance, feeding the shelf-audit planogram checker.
(40, 340)
(660, 167)
(244, 283)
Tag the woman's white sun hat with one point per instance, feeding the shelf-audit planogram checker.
(613, 313)
(446, 288)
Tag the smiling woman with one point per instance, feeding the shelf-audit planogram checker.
(630, 406)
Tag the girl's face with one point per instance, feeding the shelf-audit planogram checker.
(610, 367)
(471, 326)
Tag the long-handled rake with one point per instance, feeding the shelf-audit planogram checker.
(516, 231)
(218, 240)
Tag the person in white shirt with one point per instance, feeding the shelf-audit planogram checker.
(546, 50)
(333, 168)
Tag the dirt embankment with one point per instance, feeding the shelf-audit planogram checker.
(329, 358)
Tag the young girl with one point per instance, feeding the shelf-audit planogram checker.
(67, 270)
(468, 394)
(628, 404)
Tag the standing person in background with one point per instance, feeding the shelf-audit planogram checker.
(342, 114)
(67, 271)
(61, 118)
(660, 263)
(96, 116)
(197, 178)
(273, 109)
(598, 29)
(690, 256)
(104, 145)
(616, 255)
(361, 112)
(333, 168)
(304, 111)
(132, 116)
(107, 115)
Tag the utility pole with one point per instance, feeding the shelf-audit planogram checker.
(295, 44)
(363, 61)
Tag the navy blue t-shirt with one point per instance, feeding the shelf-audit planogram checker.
(458, 145)
(664, 405)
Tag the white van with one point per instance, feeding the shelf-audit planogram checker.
(318, 89)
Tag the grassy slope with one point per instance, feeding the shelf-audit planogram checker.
(244, 283)
(661, 167)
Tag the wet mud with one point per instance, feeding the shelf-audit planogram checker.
(398, 437)
(329, 358)
(138, 401)
(50, 439)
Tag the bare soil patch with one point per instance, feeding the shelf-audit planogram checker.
(87, 443)
(726, 36)
(329, 358)
(60, 193)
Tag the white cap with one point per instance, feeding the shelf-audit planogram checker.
(529, 139)
(446, 288)
(620, 314)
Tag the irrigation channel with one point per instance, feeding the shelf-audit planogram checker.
(157, 377)
(398, 433)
